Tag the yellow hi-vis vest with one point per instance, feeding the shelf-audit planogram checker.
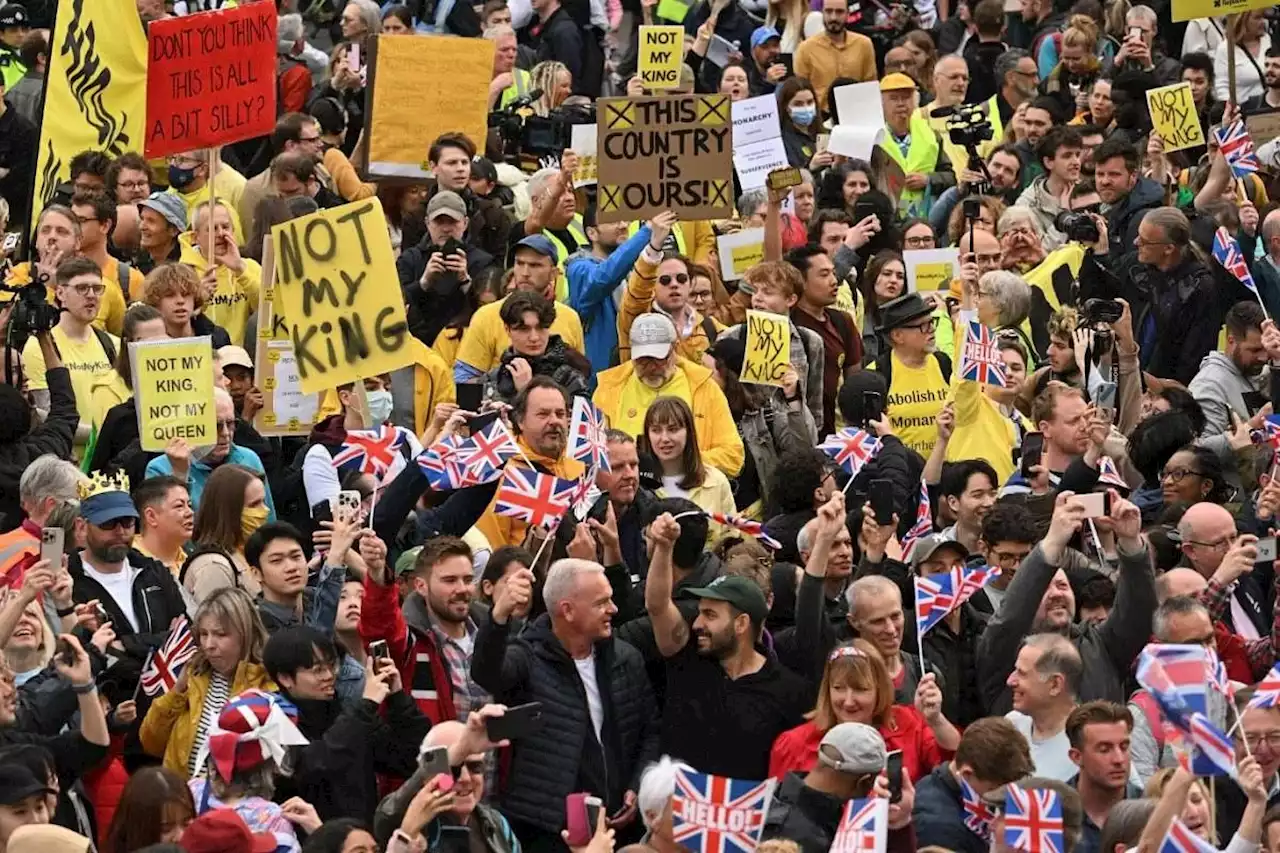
(522, 86)
(579, 233)
(956, 154)
(922, 157)
(676, 232)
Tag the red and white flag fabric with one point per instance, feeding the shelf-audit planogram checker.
(541, 500)
(864, 827)
(164, 665)
(586, 435)
(716, 814)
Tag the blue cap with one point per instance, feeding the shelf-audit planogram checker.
(541, 245)
(107, 506)
(762, 35)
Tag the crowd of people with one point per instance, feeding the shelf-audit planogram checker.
(274, 642)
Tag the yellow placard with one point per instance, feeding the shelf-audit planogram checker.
(173, 383)
(744, 258)
(449, 93)
(586, 171)
(1174, 117)
(933, 276)
(661, 55)
(768, 348)
(1186, 10)
(337, 288)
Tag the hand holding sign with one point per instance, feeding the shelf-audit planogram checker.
(1174, 117)
(768, 348)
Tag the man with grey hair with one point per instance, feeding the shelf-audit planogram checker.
(47, 483)
(1139, 51)
(599, 719)
(1016, 80)
(509, 83)
(1046, 683)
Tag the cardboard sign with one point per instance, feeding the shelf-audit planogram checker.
(661, 154)
(1263, 127)
(1186, 10)
(420, 87)
(173, 381)
(583, 143)
(273, 356)
(930, 269)
(1174, 117)
(673, 10)
(211, 79)
(768, 348)
(340, 295)
(661, 55)
(739, 252)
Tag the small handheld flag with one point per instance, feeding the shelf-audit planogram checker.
(1179, 839)
(1033, 820)
(747, 526)
(165, 664)
(586, 435)
(851, 449)
(980, 359)
(540, 500)
(1237, 149)
(716, 814)
(1227, 252)
(924, 522)
(864, 827)
(977, 814)
(1266, 693)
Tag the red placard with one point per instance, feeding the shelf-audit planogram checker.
(211, 79)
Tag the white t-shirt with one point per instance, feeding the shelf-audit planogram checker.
(1048, 755)
(671, 485)
(119, 585)
(587, 672)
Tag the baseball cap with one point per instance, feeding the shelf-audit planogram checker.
(732, 351)
(12, 15)
(46, 838)
(741, 592)
(539, 244)
(17, 783)
(447, 203)
(852, 748)
(896, 80)
(927, 546)
(484, 169)
(406, 561)
(234, 355)
(168, 205)
(652, 336)
(224, 831)
(107, 506)
(762, 35)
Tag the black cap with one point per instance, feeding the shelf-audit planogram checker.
(741, 592)
(17, 783)
(732, 351)
(897, 313)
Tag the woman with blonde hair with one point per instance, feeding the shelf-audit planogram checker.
(556, 82)
(790, 18)
(1077, 67)
(856, 688)
(229, 637)
(1252, 42)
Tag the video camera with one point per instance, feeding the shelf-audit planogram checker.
(528, 139)
(1078, 226)
(968, 126)
(32, 312)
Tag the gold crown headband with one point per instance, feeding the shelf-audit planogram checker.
(101, 483)
(845, 652)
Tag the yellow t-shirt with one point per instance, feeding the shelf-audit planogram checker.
(109, 392)
(85, 360)
(236, 296)
(916, 396)
(486, 338)
(636, 397)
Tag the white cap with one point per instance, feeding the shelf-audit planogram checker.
(652, 336)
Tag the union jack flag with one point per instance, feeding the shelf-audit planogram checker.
(1271, 434)
(1227, 252)
(1109, 474)
(538, 499)
(484, 454)
(972, 580)
(1179, 839)
(1033, 820)
(924, 522)
(1213, 744)
(440, 465)
(851, 449)
(370, 451)
(977, 814)
(165, 664)
(586, 435)
(980, 358)
(864, 827)
(716, 814)
(586, 496)
(1178, 678)
(747, 526)
(1218, 675)
(935, 598)
(1266, 693)
(1237, 149)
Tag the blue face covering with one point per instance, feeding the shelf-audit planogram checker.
(180, 178)
(803, 116)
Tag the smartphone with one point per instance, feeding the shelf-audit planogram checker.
(581, 811)
(65, 653)
(872, 408)
(781, 179)
(863, 209)
(470, 394)
(435, 762)
(893, 770)
(1032, 449)
(452, 839)
(1266, 550)
(378, 650)
(347, 505)
(10, 242)
(519, 721)
(881, 497)
(100, 613)
(322, 511)
(1096, 504)
(1135, 32)
(51, 542)
(353, 58)
(1105, 400)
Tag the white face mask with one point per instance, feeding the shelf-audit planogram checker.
(379, 406)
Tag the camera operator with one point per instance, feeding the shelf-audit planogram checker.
(23, 435)
(436, 274)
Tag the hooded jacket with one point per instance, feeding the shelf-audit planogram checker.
(557, 362)
(564, 756)
(1123, 218)
(1220, 388)
(54, 436)
(810, 818)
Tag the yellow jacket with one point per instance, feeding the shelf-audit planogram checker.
(346, 182)
(169, 729)
(718, 437)
(236, 296)
(432, 384)
(637, 299)
(501, 530)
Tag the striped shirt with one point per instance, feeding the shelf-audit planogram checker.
(214, 699)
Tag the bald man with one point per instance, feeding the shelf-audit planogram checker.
(1179, 582)
(1211, 546)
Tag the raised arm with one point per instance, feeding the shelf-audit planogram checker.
(669, 628)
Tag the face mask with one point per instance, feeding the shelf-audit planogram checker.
(803, 116)
(180, 178)
(251, 518)
(379, 406)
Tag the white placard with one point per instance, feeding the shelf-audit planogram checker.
(583, 141)
(753, 163)
(914, 259)
(854, 140)
(859, 104)
(287, 399)
(719, 51)
(727, 243)
(755, 120)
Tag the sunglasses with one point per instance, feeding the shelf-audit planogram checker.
(116, 523)
(475, 768)
(680, 278)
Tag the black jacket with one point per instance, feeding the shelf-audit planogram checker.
(560, 362)
(564, 756)
(335, 772)
(810, 818)
(938, 816)
(54, 436)
(430, 310)
(487, 223)
(981, 58)
(560, 39)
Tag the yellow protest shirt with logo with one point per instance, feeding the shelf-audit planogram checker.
(921, 157)
(915, 397)
(109, 391)
(637, 397)
(236, 296)
(85, 361)
(230, 187)
(486, 339)
(110, 307)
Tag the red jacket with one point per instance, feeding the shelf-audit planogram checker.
(104, 785)
(797, 749)
(413, 648)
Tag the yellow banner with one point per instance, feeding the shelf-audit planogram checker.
(1174, 117)
(337, 287)
(421, 87)
(1186, 10)
(96, 93)
(768, 348)
(745, 257)
(173, 381)
(661, 55)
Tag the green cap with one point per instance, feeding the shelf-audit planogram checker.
(741, 592)
(406, 561)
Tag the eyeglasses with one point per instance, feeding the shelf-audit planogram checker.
(134, 185)
(308, 139)
(114, 523)
(679, 278)
(86, 289)
(227, 426)
(1254, 741)
(1010, 559)
(924, 326)
(1141, 241)
(971, 258)
(1177, 475)
(1214, 546)
(475, 768)
(84, 220)
(919, 242)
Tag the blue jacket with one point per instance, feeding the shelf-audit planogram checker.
(591, 285)
(201, 471)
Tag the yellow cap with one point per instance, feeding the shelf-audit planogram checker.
(896, 80)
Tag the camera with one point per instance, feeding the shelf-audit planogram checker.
(449, 247)
(32, 312)
(1104, 311)
(968, 126)
(1077, 226)
(530, 138)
